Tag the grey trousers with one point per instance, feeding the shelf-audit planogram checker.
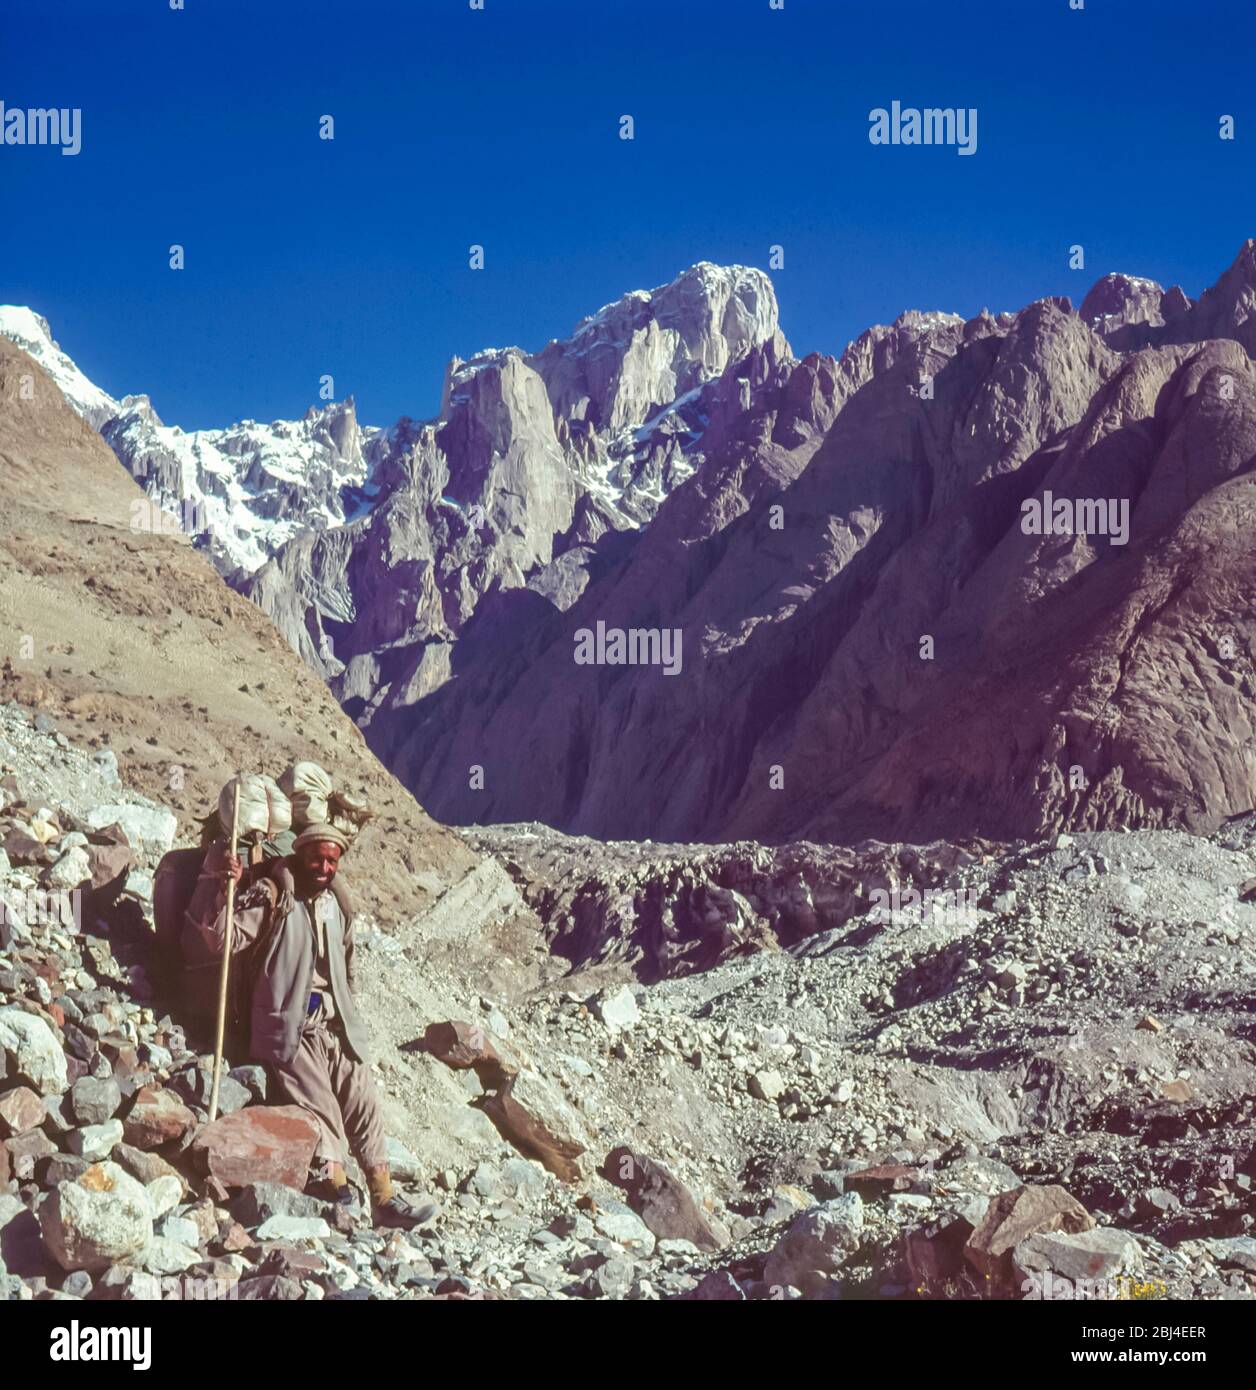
(339, 1092)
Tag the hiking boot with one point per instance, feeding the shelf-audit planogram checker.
(399, 1214)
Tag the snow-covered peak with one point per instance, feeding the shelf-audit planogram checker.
(248, 488)
(31, 332)
(242, 491)
(634, 356)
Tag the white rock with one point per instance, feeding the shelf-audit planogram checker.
(767, 1085)
(293, 1228)
(150, 829)
(616, 1008)
(74, 867)
(34, 1053)
(165, 1256)
(97, 1220)
(164, 1194)
(180, 1229)
(95, 1141)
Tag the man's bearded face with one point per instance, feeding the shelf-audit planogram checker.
(317, 863)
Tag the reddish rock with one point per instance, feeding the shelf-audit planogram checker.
(935, 1254)
(534, 1135)
(20, 1109)
(109, 862)
(25, 849)
(661, 1200)
(291, 1263)
(235, 1239)
(111, 834)
(25, 1150)
(122, 1055)
(1015, 1215)
(881, 1179)
(466, 1045)
(263, 1143)
(147, 1167)
(156, 1117)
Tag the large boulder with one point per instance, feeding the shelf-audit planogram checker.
(32, 1051)
(98, 1220)
(662, 1201)
(1013, 1217)
(538, 1122)
(1099, 1254)
(149, 829)
(815, 1245)
(265, 1143)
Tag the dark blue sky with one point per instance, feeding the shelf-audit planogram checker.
(501, 127)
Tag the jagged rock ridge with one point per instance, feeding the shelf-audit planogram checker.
(874, 642)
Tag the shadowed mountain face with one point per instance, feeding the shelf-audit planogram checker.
(877, 638)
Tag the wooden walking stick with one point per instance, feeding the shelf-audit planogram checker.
(224, 971)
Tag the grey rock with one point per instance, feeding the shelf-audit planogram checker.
(258, 1203)
(93, 1101)
(95, 1142)
(816, 1244)
(1101, 1253)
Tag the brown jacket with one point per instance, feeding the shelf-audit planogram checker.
(275, 929)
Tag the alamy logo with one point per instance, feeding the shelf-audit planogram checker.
(78, 1343)
(1049, 515)
(43, 907)
(1050, 1287)
(935, 125)
(40, 125)
(634, 646)
(935, 906)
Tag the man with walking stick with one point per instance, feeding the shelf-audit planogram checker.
(291, 939)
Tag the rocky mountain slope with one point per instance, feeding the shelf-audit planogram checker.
(630, 1070)
(114, 626)
(1034, 1082)
(534, 467)
(877, 640)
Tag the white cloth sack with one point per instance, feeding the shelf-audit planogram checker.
(307, 786)
(264, 809)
